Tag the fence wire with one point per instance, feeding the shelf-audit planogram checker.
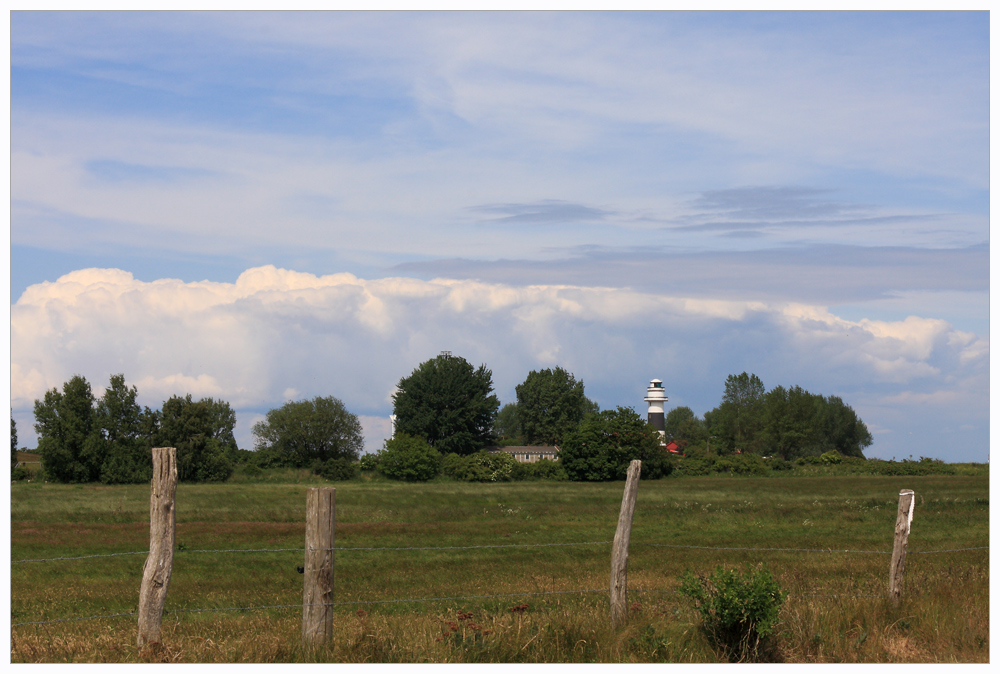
(337, 603)
(513, 545)
(393, 601)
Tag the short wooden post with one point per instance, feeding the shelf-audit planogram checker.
(619, 550)
(162, 531)
(904, 515)
(317, 596)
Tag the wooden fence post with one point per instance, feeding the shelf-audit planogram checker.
(317, 613)
(904, 515)
(162, 530)
(619, 550)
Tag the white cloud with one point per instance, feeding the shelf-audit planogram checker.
(276, 334)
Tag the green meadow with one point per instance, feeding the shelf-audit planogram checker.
(825, 539)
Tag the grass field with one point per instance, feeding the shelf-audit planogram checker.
(944, 615)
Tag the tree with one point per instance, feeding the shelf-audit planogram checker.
(408, 458)
(846, 432)
(448, 403)
(121, 438)
(607, 442)
(13, 444)
(684, 428)
(739, 416)
(301, 433)
(64, 422)
(193, 428)
(550, 405)
(507, 424)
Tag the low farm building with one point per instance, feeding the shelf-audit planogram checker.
(528, 454)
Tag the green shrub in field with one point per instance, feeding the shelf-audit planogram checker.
(485, 467)
(831, 457)
(543, 469)
(453, 465)
(695, 464)
(368, 462)
(738, 611)
(409, 458)
(20, 473)
(778, 463)
(338, 470)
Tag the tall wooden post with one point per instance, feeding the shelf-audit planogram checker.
(904, 515)
(619, 550)
(317, 613)
(162, 532)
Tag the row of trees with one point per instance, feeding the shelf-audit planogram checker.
(449, 405)
(790, 422)
(86, 439)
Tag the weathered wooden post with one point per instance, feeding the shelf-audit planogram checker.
(619, 550)
(904, 515)
(162, 530)
(317, 612)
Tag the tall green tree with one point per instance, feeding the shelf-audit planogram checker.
(448, 403)
(13, 443)
(301, 433)
(604, 445)
(740, 416)
(550, 405)
(203, 446)
(122, 438)
(683, 427)
(64, 422)
(507, 424)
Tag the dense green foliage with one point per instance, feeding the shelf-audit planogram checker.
(338, 470)
(409, 458)
(83, 439)
(482, 467)
(684, 428)
(202, 432)
(607, 442)
(448, 403)
(507, 425)
(126, 435)
(738, 611)
(64, 422)
(550, 405)
(13, 444)
(297, 434)
(789, 423)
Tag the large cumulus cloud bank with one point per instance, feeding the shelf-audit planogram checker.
(275, 334)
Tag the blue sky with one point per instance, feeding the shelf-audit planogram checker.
(271, 206)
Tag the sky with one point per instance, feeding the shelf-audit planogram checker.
(263, 207)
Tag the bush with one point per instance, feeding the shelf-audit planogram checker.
(409, 458)
(368, 462)
(778, 463)
(543, 469)
(453, 465)
(483, 467)
(831, 457)
(338, 470)
(738, 611)
(20, 473)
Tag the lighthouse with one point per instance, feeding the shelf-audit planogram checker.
(656, 396)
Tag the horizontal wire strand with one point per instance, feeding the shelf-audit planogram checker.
(510, 545)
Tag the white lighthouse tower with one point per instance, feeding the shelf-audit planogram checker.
(656, 396)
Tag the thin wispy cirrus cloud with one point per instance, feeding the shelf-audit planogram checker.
(263, 207)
